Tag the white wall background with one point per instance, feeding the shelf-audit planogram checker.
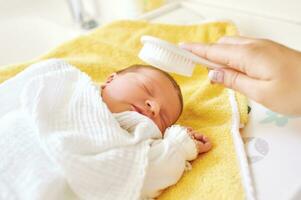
(285, 9)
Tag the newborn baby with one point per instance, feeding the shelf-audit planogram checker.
(156, 95)
(64, 137)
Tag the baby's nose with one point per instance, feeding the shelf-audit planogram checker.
(153, 107)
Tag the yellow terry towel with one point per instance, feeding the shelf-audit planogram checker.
(215, 175)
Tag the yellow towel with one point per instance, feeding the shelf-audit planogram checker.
(214, 175)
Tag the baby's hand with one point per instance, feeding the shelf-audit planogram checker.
(202, 142)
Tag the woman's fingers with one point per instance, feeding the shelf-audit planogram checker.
(227, 55)
(239, 82)
(238, 40)
(263, 70)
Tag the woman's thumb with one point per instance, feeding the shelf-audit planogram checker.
(234, 80)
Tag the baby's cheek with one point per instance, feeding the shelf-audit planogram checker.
(120, 87)
(128, 94)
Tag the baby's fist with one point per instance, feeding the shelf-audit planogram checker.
(202, 142)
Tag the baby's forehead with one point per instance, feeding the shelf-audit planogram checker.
(157, 78)
(153, 74)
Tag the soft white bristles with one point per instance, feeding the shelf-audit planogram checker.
(166, 60)
(169, 57)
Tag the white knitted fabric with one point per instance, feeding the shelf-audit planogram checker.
(58, 139)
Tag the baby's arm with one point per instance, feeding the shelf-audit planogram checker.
(167, 158)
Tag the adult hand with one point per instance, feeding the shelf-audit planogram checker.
(263, 70)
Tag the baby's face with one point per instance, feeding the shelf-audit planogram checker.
(145, 91)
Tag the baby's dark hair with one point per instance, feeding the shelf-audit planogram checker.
(134, 68)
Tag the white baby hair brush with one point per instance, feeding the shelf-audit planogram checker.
(169, 57)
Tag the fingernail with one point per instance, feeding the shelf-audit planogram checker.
(216, 76)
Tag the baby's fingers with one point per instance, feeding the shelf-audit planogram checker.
(189, 129)
(203, 146)
(201, 137)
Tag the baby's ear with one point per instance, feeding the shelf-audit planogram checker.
(109, 79)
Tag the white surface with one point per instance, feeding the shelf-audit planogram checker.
(272, 141)
(273, 144)
(29, 28)
(23, 39)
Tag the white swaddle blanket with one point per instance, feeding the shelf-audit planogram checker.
(58, 139)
